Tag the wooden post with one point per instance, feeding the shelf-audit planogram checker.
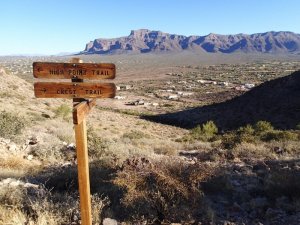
(82, 160)
(83, 172)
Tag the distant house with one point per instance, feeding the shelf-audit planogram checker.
(173, 97)
(249, 86)
(119, 97)
(124, 87)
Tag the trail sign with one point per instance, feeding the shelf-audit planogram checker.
(81, 107)
(74, 90)
(95, 71)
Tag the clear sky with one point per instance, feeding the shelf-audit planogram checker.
(55, 26)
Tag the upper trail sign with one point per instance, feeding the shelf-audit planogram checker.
(94, 71)
(78, 90)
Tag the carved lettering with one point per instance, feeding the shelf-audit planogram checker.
(56, 72)
(100, 72)
(66, 91)
(93, 92)
(77, 72)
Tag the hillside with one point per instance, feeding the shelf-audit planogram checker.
(276, 101)
(143, 172)
(144, 41)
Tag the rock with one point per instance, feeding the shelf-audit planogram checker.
(46, 116)
(71, 146)
(4, 141)
(259, 202)
(261, 169)
(274, 214)
(109, 221)
(30, 157)
(30, 185)
(236, 207)
(278, 150)
(32, 141)
(12, 147)
(235, 183)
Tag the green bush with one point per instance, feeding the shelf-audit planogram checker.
(262, 131)
(135, 135)
(206, 132)
(263, 126)
(209, 129)
(10, 124)
(96, 144)
(63, 111)
(230, 140)
(246, 134)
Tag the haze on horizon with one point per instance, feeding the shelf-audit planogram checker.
(51, 27)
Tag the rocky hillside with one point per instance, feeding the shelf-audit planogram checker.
(143, 41)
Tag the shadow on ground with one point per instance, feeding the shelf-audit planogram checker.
(264, 191)
(276, 101)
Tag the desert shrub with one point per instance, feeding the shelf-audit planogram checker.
(246, 150)
(165, 150)
(63, 111)
(209, 128)
(262, 126)
(19, 205)
(230, 140)
(262, 131)
(246, 134)
(10, 124)
(298, 127)
(48, 153)
(96, 144)
(135, 134)
(98, 204)
(206, 132)
(279, 135)
(162, 190)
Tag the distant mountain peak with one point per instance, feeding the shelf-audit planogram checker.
(145, 40)
(139, 32)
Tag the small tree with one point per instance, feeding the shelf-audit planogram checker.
(262, 127)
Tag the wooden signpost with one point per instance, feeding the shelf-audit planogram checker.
(78, 91)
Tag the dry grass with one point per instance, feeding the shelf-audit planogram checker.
(18, 162)
(165, 189)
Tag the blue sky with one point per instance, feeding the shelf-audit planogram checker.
(54, 26)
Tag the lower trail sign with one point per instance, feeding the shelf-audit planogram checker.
(74, 90)
(78, 91)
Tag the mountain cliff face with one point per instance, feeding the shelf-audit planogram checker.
(143, 41)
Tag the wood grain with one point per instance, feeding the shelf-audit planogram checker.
(94, 71)
(82, 109)
(74, 90)
(83, 172)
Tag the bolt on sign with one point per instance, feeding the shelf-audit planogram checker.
(78, 91)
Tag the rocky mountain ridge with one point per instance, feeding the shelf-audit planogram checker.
(144, 41)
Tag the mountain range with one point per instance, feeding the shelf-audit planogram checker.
(144, 41)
